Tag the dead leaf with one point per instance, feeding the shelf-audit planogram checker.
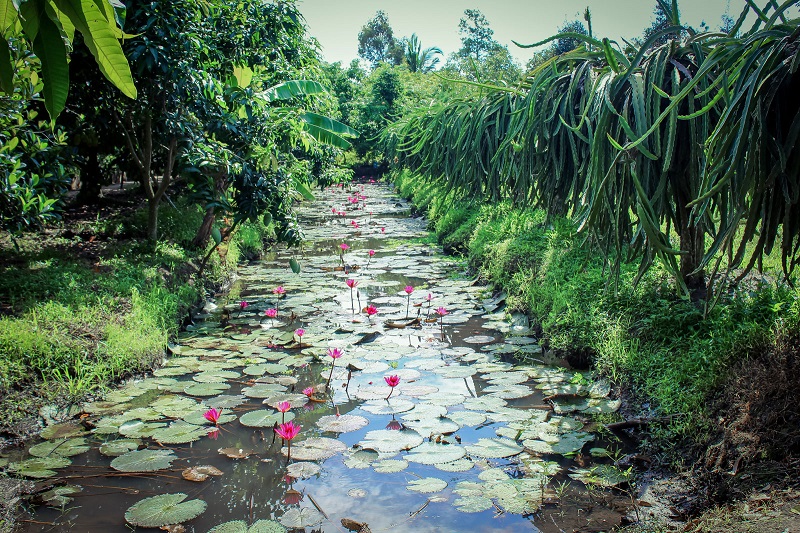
(236, 453)
(200, 473)
(174, 528)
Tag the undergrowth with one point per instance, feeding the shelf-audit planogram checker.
(644, 337)
(73, 322)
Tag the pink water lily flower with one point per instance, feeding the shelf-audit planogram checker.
(371, 253)
(441, 311)
(392, 381)
(212, 415)
(344, 246)
(284, 407)
(243, 305)
(279, 290)
(409, 289)
(308, 391)
(287, 431)
(429, 297)
(352, 283)
(371, 310)
(383, 230)
(300, 332)
(271, 313)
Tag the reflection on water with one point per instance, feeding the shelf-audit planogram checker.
(434, 361)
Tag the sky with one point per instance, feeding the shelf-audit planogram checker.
(336, 23)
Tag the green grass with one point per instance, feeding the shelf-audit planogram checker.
(660, 346)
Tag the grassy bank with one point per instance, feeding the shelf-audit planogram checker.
(651, 343)
(90, 302)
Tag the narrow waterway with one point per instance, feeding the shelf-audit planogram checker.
(441, 414)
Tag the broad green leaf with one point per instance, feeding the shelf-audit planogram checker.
(61, 448)
(163, 510)
(101, 38)
(240, 526)
(38, 467)
(144, 461)
(427, 485)
(325, 136)
(8, 15)
(290, 89)
(295, 266)
(243, 76)
(49, 48)
(216, 235)
(304, 191)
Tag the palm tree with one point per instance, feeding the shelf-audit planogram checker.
(420, 60)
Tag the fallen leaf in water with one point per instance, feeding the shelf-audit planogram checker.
(200, 473)
(235, 453)
(174, 528)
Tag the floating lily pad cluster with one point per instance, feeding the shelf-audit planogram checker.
(248, 365)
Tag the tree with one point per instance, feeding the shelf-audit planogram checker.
(376, 42)
(419, 59)
(477, 38)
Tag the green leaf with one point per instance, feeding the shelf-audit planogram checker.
(216, 235)
(163, 510)
(50, 49)
(8, 15)
(290, 89)
(243, 76)
(294, 265)
(100, 36)
(303, 189)
(144, 461)
(240, 526)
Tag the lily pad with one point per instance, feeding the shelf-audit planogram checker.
(315, 449)
(342, 423)
(240, 526)
(236, 453)
(163, 510)
(361, 459)
(303, 469)
(61, 448)
(607, 476)
(459, 465)
(59, 496)
(144, 461)
(559, 444)
(264, 418)
(38, 467)
(295, 400)
(473, 504)
(301, 518)
(205, 389)
(390, 466)
(427, 485)
(431, 453)
(225, 401)
(391, 407)
(386, 440)
(136, 428)
(63, 431)
(179, 432)
(115, 448)
(494, 448)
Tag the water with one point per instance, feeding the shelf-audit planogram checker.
(501, 457)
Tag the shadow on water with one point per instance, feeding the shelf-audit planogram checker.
(443, 364)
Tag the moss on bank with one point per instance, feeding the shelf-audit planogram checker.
(645, 338)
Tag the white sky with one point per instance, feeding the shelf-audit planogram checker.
(336, 23)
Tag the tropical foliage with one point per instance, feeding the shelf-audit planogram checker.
(680, 150)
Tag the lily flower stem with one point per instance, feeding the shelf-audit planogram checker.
(408, 304)
(352, 305)
(331, 375)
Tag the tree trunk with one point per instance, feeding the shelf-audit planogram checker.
(91, 178)
(692, 243)
(152, 219)
(204, 231)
